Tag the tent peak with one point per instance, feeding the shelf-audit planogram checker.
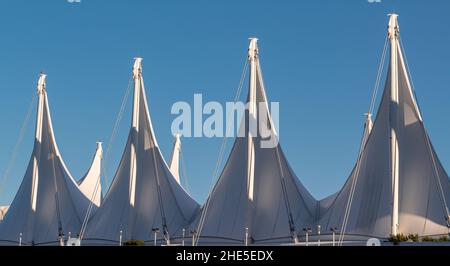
(175, 158)
(253, 48)
(99, 144)
(393, 28)
(41, 82)
(137, 68)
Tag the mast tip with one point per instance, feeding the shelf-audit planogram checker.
(137, 67)
(253, 48)
(41, 82)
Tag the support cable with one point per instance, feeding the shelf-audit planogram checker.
(362, 145)
(105, 159)
(15, 151)
(219, 159)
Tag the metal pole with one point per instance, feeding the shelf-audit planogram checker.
(20, 239)
(307, 238)
(318, 235)
(394, 100)
(120, 238)
(193, 232)
(246, 236)
(184, 234)
(334, 238)
(61, 241)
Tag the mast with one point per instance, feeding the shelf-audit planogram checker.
(138, 88)
(252, 126)
(137, 73)
(38, 138)
(393, 34)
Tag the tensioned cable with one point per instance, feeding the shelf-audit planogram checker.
(362, 145)
(115, 130)
(280, 167)
(106, 158)
(220, 157)
(19, 141)
(166, 233)
(285, 195)
(378, 79)
(352, 190)
(53, 155)
(221, 154)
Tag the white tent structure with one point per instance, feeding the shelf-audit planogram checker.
(257, 198)
(91, 181)
(3, 210)
(49, 202)
(398, 184)
(175, 159)
(144, 198)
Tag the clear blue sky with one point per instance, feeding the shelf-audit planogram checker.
(319, 60)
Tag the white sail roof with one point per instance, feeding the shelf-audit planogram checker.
(48, 202)
(90, 184)
(257, 197)
(143, 195)
(398, 184)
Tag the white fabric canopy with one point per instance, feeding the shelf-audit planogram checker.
(144, 195)
(90, 184)
(423, 185)
(49, 202)
(257, 198)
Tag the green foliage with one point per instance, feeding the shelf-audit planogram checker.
(396, 239)
(413, 237)
(444, 239)
(427, 239)
(134, 243)
(431, 239)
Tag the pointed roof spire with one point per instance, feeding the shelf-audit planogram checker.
(49, 201)
(369, 122)
(143, 193)
(175, 159)
(90, 184)
(398, 184)
(257, 197)
(253, 48)
(393, 28)
(41, 82)
(3, 211)
(137, 67)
